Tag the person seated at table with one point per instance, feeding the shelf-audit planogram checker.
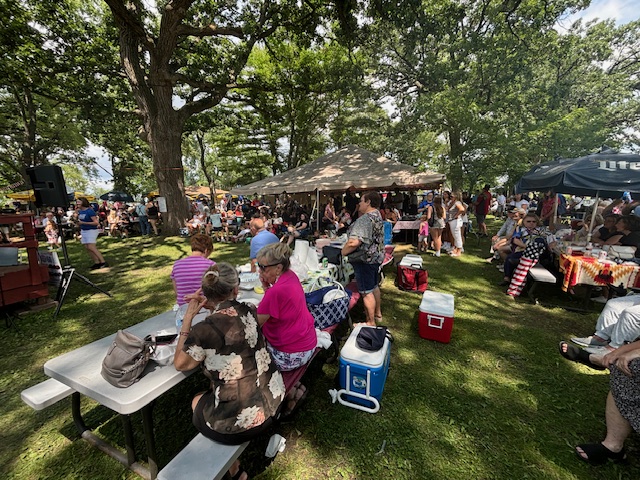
(500, 242)
(582, 233)
(187, 272)
(299, 230)
(286, 322)
(529, 231)
(112, 219)
(284, 317)
(617, 324)
(623, 400)
(608, 229)
(627, 233)
(261, 237)
(344, 220)
(246, 390)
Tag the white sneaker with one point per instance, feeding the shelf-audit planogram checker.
(598, 350)
(500, 268)
(437, 254)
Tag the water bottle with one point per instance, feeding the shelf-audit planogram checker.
(180, 311)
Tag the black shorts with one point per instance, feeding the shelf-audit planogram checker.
(217, 229)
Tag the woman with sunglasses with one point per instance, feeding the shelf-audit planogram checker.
(533, 240)
(282, 313)
(284, 317)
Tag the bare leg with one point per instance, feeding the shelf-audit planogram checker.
(95, 253)
(369, 303)
(91, 253)
(618, 428)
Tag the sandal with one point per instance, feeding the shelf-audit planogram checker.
(377, 319)
(578, 355)
(598, 454)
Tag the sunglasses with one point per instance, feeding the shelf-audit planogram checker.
(264, 267)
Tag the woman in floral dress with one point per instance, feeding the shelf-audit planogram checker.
(246, 388)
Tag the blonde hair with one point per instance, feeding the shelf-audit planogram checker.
(219, 281)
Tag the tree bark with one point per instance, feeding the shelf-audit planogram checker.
(165, 141)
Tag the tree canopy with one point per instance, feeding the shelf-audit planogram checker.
(224, 93)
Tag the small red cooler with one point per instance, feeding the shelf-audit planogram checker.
(435, 320)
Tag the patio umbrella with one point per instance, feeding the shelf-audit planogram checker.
(115, 196)
(603, 174)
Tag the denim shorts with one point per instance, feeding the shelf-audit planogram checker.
(366, 276)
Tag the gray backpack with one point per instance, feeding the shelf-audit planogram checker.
(126, 359)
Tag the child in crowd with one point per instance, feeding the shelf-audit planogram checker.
(423, 234)
(51, 231)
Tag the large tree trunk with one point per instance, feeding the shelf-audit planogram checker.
(164, 134)
(456, 149)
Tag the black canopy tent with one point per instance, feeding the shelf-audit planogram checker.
(606, 174)
(603, 174)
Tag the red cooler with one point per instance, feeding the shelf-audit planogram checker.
(435, 320)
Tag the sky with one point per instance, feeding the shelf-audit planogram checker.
(623, 11)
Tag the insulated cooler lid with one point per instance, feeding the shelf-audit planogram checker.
(438, 303)
(351, 353)
(409, 260)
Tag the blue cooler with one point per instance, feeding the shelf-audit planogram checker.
(362, 374)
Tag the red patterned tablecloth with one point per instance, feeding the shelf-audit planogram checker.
(580, 270)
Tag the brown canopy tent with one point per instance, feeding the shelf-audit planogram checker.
(350, 167)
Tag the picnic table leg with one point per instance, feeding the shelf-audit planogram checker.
(128, 439)
(104, 446)
(587, 297)
(147, 425)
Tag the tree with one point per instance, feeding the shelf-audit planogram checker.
(41, 121)
(495, 81)
(185, 59)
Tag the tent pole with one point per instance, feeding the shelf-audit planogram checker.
(555, 209)
(593, 215)
(318, 210)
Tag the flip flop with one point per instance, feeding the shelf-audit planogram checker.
(598, 454)
(578, 355)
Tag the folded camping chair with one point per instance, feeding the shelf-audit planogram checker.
(334, 256)
(388, 259)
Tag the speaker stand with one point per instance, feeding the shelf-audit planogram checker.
(69, 273)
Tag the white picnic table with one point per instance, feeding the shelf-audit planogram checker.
(80, 370)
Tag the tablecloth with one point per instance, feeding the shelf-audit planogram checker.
(406, 225)
(582, 270)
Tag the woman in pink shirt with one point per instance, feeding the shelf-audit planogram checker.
(286, 322)
(283, 315)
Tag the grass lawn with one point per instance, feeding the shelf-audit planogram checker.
(498, 402)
